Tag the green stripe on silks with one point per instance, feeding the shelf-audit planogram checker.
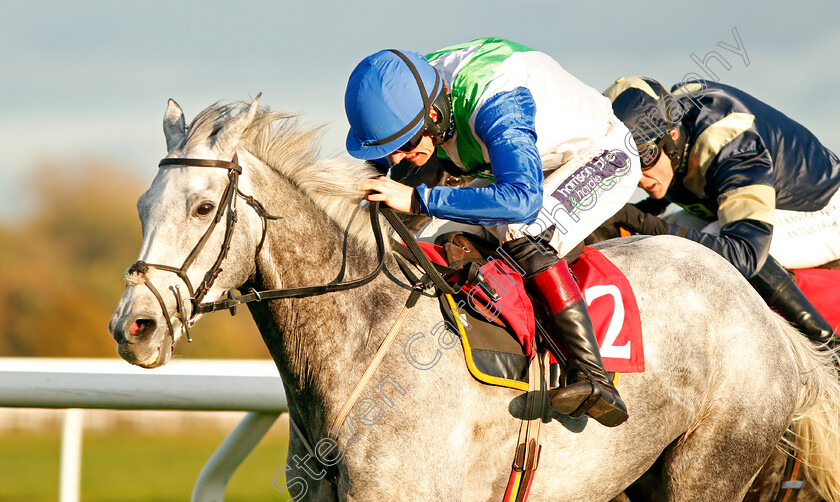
(469, 85)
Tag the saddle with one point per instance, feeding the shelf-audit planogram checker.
(501, 326)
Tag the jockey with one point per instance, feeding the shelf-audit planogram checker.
(498, 110)
(766, 184)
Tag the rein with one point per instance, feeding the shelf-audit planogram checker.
(227, 205)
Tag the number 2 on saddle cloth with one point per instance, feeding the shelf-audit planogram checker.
(610, 300)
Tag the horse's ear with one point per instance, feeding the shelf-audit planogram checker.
(229, 136)
(174, 127)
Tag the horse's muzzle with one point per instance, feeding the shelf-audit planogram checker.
(141, 340)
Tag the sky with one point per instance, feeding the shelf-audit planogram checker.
(87, 81)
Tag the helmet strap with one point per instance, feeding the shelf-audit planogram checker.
(444, 127)
(423, 115)
(676, 149)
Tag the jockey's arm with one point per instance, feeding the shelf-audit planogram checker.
(745, 211)
(744, 243)
(506, 126)
(743, 182)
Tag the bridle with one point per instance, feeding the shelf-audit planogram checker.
(227, 206)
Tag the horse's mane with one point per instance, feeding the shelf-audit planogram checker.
(279, 140)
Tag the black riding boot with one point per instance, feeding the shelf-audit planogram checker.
(775, 285)
(593, 393)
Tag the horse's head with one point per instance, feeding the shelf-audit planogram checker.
(196, 245)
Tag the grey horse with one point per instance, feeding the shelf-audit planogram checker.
(724, 375)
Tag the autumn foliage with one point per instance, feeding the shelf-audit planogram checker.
(61, 271)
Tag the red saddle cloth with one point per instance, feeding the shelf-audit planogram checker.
(609, 298)
(613, 309)
(822, 287)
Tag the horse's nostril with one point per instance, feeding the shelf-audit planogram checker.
(142, 328)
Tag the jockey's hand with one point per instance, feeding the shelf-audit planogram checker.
(394, 194)
(631, 218)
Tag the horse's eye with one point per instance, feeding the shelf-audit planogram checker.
(204, 209)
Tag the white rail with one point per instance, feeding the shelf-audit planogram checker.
(209, 385)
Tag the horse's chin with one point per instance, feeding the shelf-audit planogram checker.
(150, 357)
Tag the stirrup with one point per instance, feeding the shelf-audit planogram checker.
(605, 407)
(576, 375)
(594, 395)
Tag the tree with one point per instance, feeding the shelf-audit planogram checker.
(61, 270)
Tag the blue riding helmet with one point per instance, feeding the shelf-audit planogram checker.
(387, 102)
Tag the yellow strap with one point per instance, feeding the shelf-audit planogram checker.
(515, 489)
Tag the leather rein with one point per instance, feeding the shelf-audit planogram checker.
(227, 206)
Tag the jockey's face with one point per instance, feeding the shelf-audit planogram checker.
(422, 152)
(419, 156)
(657, 178)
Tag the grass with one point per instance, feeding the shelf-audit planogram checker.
(133, 466)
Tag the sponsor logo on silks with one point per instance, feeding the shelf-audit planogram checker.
(699, 210)
(582, 188)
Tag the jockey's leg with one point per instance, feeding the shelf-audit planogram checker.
(549, 277)
(775, 285)
(578, 196)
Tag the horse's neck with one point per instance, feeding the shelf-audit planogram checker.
(322, 344)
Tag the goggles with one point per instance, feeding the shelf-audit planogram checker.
(650, 152)
(413, 142)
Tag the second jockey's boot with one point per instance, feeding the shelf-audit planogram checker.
(593, 393)
(775, 285)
